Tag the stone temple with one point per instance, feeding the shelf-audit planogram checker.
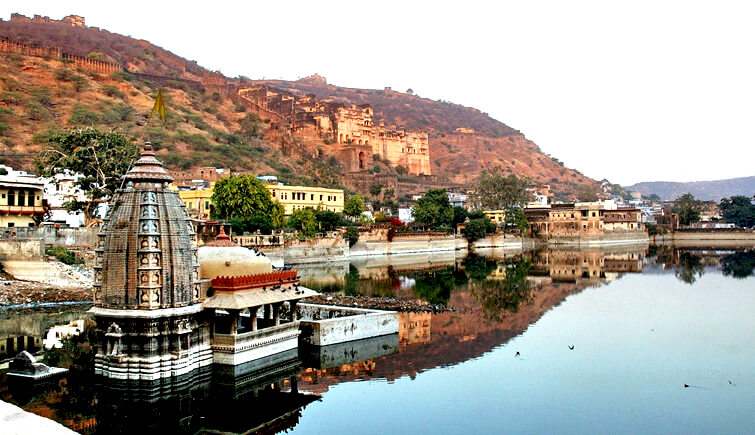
(164, 309)
(146, 285)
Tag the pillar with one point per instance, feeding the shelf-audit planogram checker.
(253, 316)
(235, 322)
(266, 314)
(292, 304)
(276, 313)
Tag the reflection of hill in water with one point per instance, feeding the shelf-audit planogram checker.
(434, 340)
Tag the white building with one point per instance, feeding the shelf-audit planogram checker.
(59, 190)
(405, 215)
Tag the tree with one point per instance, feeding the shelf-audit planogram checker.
(354, 206)
(460, 215)
(688, 209)
(244, 197)
(738, 210)
(515, 218)
(478, 228)
(327, 220)
(434, 209)
(493, 191)
(587, 194)
(102, 159)
(304, 221)
(250, 126)
(375, 189)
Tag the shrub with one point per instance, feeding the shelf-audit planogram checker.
(352, 235)
(63, 74)
(82, 115)
(239, 108)
(37, 112)
(112, 91)
(401, 170)
(62, 254)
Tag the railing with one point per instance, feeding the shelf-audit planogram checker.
(259, 337)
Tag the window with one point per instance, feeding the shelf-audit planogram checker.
(30, 198)
(320, 197)
(206, 205)
(11, 224)
(312, 197)
(190, 204)
(11, 197)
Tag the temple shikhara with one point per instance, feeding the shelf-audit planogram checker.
(164, 308)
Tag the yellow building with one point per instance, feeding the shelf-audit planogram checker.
(497, 216)
(197, 202)
(299, 197)
(292, 198)
(20, 201)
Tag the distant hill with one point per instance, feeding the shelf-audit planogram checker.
(705, 190)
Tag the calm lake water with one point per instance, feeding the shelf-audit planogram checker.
(642, 325)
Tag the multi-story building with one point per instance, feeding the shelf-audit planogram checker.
(300, 197)
(21, 201)
(199, 202)
(57, 192)
(582, 219)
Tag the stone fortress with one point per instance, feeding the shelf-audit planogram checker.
(353, 136)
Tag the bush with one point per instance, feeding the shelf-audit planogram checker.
(401, 170)
(37, 112)
(82, 115)
(63, 74)
(478, 228)
(112, 91)
(352, 235)
(62, 254)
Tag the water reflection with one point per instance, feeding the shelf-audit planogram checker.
(498, 301)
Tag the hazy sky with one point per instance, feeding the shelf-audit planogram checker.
(629, 91)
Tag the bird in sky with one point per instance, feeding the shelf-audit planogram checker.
(571, 347)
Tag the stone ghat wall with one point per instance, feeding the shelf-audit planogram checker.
(22, 250)
(323, 325)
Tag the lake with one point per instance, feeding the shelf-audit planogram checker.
(595, 341)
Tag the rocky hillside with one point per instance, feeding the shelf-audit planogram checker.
(704, 190)
(40, 95)
(455, 155)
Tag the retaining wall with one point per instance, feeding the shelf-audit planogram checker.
(323, 325)
(22, 250)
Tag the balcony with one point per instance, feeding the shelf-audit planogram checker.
(21, 209)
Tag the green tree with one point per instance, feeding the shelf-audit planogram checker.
(478, 228)
(434, 209)
(738, 210)
(102, 159)
(303, 221)
(328, 220)
(244, 197)
(354, 206)
(460, 215)
(688, 209)
(375, 189)
(690, 268)
(494, 191)
(250, 126)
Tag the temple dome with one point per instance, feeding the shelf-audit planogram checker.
(223, 258)
(145, 257)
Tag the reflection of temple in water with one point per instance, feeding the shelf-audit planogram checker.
(261, 396)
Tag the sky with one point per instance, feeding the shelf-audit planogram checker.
(628, 91)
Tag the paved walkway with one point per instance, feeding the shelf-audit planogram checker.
(16, 421)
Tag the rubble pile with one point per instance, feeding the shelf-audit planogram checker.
(379, 303)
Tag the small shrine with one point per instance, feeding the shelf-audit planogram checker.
(251, 307)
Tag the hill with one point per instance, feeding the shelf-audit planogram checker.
(705, 190)
(41, 94)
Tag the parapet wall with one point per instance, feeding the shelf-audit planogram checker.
(8, 46)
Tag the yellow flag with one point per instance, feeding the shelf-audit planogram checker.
(159, 107)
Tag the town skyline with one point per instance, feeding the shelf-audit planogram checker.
(643, 94)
